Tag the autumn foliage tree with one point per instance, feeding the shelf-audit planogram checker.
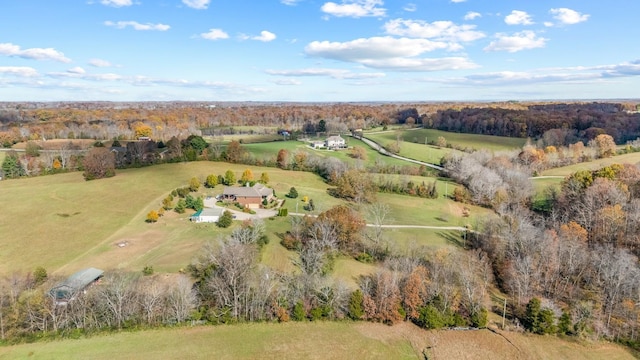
(282, 160)
(99, 163)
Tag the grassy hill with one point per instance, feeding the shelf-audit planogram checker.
(322, 340)
(64, 223)
(413, 142)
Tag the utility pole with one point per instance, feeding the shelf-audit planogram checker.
(504, 312)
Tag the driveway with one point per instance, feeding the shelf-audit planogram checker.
(210, 202)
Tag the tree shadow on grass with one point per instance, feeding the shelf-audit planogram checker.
(456, 238)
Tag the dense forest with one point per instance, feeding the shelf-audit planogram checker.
(556, 124)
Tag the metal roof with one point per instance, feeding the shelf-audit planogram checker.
(76, 282)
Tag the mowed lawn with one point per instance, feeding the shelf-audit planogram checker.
(317, 340)
(60, 220)
(64, 223)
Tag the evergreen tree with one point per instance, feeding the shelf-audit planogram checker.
(293, 193)
(356, 311)
(532, 315)
(565, 323)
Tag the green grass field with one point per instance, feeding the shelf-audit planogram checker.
(632, 158)
(413, 142)
(270, 150)
(64, 223)
(318, 340)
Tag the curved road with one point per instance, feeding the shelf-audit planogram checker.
(374, 145)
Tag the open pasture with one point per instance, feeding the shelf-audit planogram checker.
(413, 142)
(64, 223)
(270, 150)
(317, 340)
(632, 158)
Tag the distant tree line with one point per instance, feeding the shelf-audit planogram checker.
(557, 124)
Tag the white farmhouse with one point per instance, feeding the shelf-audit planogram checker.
(335, 142)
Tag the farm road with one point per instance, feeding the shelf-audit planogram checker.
(458, 228)
(375, 146)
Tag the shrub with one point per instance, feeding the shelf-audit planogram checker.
(298, 312)
(225, 220)
(39, 275)
(293, 193)
(152, 216)
(148, 270)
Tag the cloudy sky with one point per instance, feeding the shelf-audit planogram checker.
(316, 50)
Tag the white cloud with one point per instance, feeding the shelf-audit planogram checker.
(519, 41)
(548, 24)
(24, 71)
(472, 15)
(333, 73)
(458, 1)
(75, 74)
(287, 82)
(116, 3)
(9, 49)
(375, 47)
(518, 17)
(354, 8)
(197, 4)
(99, 63)
(76, 70)
(437, 30)
(290, 2)
(265, 36)
(421, 64)
(214, 34)
(568, 16)
(389, 53)
(137, 26)
(410, 7)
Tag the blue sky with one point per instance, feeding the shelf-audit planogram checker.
(316, 50)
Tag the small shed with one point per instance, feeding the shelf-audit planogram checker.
(68, 289)
(207, 215)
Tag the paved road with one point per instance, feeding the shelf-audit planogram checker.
(375, 146)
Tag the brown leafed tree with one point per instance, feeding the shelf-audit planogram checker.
(99, 163)
(414, 291)
(282, 161)
(235, 151)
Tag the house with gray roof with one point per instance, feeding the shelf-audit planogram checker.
(248, 196)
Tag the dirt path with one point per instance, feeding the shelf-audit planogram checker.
(458, 228)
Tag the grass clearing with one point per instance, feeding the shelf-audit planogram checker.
(632, 158)
(269, 150)
(413, 142)
(74, 224)
(318, 340)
